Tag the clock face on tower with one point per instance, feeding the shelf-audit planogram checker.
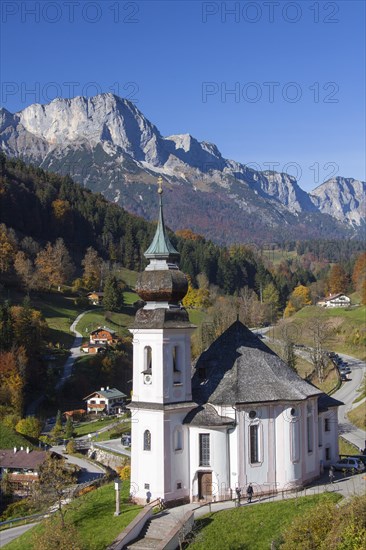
(147, 379)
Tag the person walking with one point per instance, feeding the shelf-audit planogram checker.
(250, 492)
(331, 474)
(238, 495)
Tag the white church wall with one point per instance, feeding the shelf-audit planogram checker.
(328, 448)
(311, 454)
(147, 466)
(255, 468)
(160, 385)
(160, 470)
(217, 464)
(176, 455)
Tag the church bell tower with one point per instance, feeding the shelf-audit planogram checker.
(162, 393)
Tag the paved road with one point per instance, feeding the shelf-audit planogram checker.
(347, 393)
(10, 534)
(90, 470)
(75, 352)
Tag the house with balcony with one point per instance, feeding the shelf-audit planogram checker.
(335, 300)
(106, 400)
(21, 468)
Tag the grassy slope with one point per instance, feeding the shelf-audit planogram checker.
(358, 416)
(115, 321)
(92, 515)
(252, 528)
(350, 328)
(10, 438)
(90, 427)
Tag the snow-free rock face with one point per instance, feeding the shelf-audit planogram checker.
(342, 198)
(107, 144)
(103, 118)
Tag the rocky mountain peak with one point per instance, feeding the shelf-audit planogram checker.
(106, 143)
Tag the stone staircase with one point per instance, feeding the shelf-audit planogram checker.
(153, 533)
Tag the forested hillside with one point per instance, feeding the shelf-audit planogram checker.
(39, 207)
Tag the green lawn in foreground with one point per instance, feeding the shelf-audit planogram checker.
(252, 527)
(92, 516)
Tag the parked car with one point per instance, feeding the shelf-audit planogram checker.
(349, 464)
(361, 458)
(344, 377)
(346, 370)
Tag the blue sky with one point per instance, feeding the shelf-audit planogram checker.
(295, 71)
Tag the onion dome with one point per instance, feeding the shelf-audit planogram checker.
(162, 284)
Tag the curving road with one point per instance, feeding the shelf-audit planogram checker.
(347, 393)
(75, 351)
(12, 533)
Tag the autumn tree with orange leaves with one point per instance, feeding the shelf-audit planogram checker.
(337, 280)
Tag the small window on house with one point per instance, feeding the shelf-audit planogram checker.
(147, 440)
(254, 443)
(204, 445)
(252, 414)
(179, 485)
(147, 486)
(326, 424)
(327, 453)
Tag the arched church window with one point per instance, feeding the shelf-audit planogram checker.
(147, 440)
(254, 444)
(178, 439)
(309, 432)
(177, 367)
(147, 360)
(295, 440)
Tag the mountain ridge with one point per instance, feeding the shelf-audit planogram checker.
(108, 145)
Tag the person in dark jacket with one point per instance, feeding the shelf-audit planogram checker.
(250, 492)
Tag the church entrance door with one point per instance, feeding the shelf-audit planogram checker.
(205, 485)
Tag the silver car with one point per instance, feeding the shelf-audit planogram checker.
(349, 464)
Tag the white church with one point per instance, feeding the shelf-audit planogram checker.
(240, 415)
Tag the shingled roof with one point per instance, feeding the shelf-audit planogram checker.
(239, 368)
(206, 415)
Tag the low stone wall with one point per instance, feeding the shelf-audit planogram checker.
(108, 459)
(177, 535)
(132, 530)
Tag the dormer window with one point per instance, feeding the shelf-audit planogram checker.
(202, 373)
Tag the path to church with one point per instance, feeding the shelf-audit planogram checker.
(346, 486)
(75, 352)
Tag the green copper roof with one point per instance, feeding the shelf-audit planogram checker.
(161, 248)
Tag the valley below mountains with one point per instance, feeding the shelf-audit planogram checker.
(106, 144)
